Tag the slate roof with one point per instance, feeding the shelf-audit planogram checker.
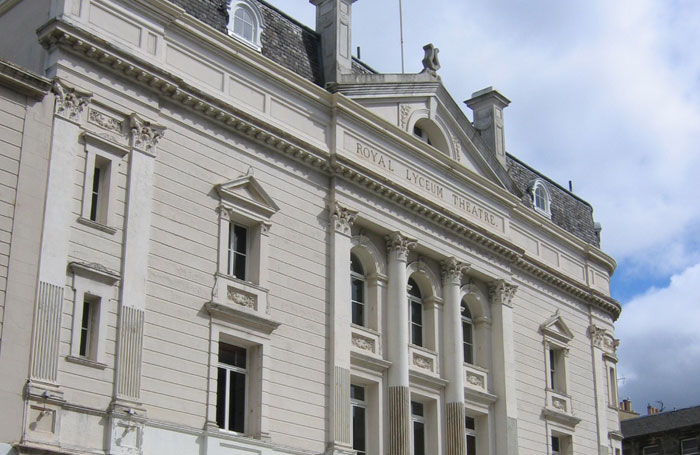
(569, 212)
(657, 423)
(298, 48)
(284, 40)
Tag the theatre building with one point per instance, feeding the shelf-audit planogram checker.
(221, 233)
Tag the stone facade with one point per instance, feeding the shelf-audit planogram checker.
(218, 241)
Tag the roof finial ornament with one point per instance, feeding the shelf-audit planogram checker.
(430, 62)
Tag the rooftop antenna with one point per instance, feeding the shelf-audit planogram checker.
(403, 70)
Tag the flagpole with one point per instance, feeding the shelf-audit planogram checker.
(403, 70)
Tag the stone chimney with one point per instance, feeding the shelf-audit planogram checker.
(651, 410)
(488, 105)
(334, 24)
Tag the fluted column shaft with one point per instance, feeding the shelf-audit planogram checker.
(398, 247)
(452, 271)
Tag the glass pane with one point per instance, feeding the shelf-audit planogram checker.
(555, 443)
(358, 290)
(232, 355)
(236, 405)
(356, 265)
(221, 398)
(357, 392)
(239, 266)
(416, 335)
(95, 194)
(469, 423)
(358, 313)
(465, 312)
(471, 445)
(248, 32)
(417, 313)
(418, 438)
(415, 290)
(417, 408)
(240, 239)
(358, 428)
(85, 329)
(467, 332)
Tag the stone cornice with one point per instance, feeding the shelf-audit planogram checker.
(23, 81)
(67, 37)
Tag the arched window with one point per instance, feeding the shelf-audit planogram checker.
(541, 200)
(467, 335)
(415, 312)
(245, 22)
(428, 131)
(358, 290)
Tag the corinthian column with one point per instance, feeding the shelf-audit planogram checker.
(398, 247)
(452, 271)
(506, 418)
(342, 220)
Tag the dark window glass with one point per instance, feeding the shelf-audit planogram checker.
(418, 438)
(471, 444)
(469, 423)
(85, 328)
(358, 429)
(238, 249)
(221, 398)
(415, 290)
(232, 355)
(417, 323)
(236, 406)
(417, 408)
(95, 194)
(552, 368)
(468, 343)
(555, 444)
(357, 392)
(231, 388)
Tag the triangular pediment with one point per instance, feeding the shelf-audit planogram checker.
(556, 328)
(421, 100)
(245, 192)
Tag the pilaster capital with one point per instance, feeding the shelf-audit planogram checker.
(70, 102)
(502, 293)
(398, 245)
(342, 218)
(603, 339)
(452, 270)
(144, 134)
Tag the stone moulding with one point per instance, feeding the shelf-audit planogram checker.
(59, 34)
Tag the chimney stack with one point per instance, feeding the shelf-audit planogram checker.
(334, 24)
(488, 105)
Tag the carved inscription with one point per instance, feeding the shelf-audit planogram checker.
(459, 203)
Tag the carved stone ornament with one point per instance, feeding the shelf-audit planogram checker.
(431, 63)
(597, 335)
(70, 103)
(405, 112)
(502, 293)
(452, 270)
(342, 218)
(144, 134)
(423, 362)
(476, 381)
(559, 404)
(399, 245)
(241, 299)
(363, 343)
(104, 121)
(457, 145)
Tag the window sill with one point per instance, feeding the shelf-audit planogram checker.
(96, 225)
(86, 362)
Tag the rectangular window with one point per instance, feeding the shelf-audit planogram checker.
(416, 312)
(689, 446)
(651, 450)
(359, 419)
(418, 418)
(470, 425)
(231, 388)
(94, 205)
(556, 445)
(613, 386)
(237, 250)
(98, 190)
(358, 300)
(556, 370)
(468, 342)
(89, 327)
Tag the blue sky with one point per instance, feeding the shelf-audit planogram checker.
(606, 94)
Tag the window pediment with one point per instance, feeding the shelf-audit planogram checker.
(247, 195)
(556, 329)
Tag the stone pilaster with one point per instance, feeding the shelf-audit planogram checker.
(602, 345)
(127, 415)
(342, 219)
(398, 247)
(452, 271)
(506, 416)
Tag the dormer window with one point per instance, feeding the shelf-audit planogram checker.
(541, 200)
(246, 22)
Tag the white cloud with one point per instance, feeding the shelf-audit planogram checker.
(660, 348)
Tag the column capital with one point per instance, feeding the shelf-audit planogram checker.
(452, 270)
(70, 102)
(399, 245)
(502, 293)
(342, 218)
(144, 134)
